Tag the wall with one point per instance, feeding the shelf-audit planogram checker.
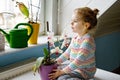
(108, 38)
(108, 51)
(109, 21)
(67, 6)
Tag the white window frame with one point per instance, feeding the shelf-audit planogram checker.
(52, 9)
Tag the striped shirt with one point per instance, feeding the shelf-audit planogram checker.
(81, 54)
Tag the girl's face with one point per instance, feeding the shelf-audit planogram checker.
(78, 25)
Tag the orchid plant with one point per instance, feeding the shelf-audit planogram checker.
(64, 43)
(52, 49)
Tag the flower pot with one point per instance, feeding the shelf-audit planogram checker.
(44, 70)
(34, 37)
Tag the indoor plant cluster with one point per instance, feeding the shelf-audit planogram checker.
(31, 13)
(47, 60)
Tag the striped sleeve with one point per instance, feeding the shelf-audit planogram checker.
(84, 58)
(65, 56)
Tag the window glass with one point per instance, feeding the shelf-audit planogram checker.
(10, 14)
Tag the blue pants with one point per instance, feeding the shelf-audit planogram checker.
(70, 76)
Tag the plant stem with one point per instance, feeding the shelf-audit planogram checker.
(38, 10)
(31, 11)
(49, 51)
(47, 26)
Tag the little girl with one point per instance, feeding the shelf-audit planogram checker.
(81, 52)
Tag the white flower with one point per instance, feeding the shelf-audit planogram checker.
(56, 50)
(65, 42)
(51, 39)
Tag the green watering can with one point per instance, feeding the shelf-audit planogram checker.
(18, 37)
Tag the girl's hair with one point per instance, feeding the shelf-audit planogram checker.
(87, 15)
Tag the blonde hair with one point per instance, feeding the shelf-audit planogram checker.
(88, 15)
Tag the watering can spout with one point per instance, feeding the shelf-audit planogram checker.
(6, 35)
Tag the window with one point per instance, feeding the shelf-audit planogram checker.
(48, 13)
(10, 14)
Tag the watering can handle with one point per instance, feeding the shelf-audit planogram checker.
(26, 24)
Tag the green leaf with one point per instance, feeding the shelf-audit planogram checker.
(38, 63)
(24, 10)
(46, 53)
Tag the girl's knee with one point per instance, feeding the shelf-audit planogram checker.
(63, 77)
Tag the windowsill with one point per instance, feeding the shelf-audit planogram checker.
(13, 55)
(41, 40)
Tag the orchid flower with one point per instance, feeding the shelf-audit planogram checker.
(65, 42)
(50, 39)
(56, 50)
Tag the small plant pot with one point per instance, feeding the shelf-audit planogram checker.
(44, 70)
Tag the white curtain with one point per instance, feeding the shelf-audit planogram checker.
(6, 6)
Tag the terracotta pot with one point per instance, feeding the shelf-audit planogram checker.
(44, 70)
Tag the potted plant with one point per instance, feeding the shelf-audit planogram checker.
(33, 18)
(44, 65)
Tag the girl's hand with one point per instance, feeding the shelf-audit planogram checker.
(55, 73)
